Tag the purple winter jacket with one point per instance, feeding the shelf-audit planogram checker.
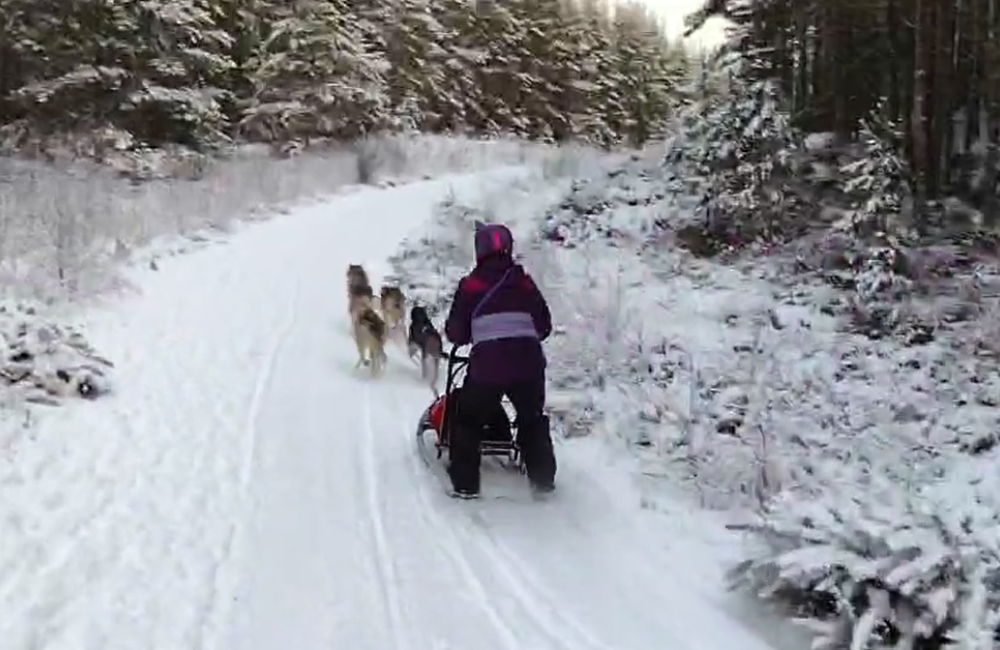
(499, 310)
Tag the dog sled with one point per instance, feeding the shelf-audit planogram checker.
(498, 441)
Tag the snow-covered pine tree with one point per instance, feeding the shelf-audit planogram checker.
(25, 37)
(600, 75)
(640, 53)
(666, 68)
(183, 73)
(156, 69)
(240, 20)
(314, 77)
(877, 564)
(416, 61)
(544, 59)
(499, 31)
(575, 47)
(879, 181)
(459, 102)
(737, 145)
(373, 17)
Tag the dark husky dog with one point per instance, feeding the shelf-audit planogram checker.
(426, 340)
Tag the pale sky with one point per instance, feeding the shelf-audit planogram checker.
(673, 11)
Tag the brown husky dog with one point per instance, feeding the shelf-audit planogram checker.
(393, 304)
(357, 285)
(370, 335)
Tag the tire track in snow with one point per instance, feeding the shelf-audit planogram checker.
(459, 555)
(263, 382)
(542, 610)
(528, 588)
(217, 612)
(385, 566)
(566, 632)
(448, 538)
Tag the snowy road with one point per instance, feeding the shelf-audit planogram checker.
(246, 490)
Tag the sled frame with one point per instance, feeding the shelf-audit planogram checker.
(457, 367)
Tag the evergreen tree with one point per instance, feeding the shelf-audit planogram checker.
(458, 103)
(548, 69)
(649, 69)
(313, 76)
(934, 65)
(416, 61)
(498, 32)
(196, 72)
(155, 69)
(606, 115)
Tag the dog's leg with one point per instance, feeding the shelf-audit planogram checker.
(376, 356)
(361, 350)
(413, 349)
(432, 371)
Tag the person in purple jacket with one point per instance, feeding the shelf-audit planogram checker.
(499, 311)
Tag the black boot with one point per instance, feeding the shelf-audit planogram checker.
(461, 485)
(464, 494)
(539, 456)
(463, 465)
(542, 488)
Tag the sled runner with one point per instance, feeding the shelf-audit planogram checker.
(442, 417)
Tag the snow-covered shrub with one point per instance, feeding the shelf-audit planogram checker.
(878, 181)
(622, 202)
(43, 362)
(883, 287)
(874, 563)
(879, 293)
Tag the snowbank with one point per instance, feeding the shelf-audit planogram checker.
(43, 362)
(865, 449)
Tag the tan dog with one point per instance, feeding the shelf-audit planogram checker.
(359, 298)
(393, 304)
(370, 334)
(357, 284)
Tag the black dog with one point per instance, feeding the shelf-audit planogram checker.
(425, 339)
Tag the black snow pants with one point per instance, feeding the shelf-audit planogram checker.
(475, 405)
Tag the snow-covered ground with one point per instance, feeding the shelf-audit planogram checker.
(243, 488)
(870, 460)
